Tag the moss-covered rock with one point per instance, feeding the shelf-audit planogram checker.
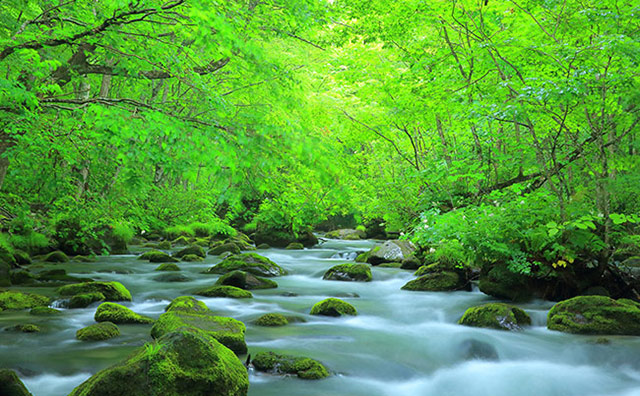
(191, 258)
(304, 368)
(13, 300)
(112, 291)
(98, 332)
(230, 247)
(21, 278)
(272, 320)
(295, 246)
(10, 384)
(186, 304)
(595, 315)
(156, 256)
(496, 280)
(437, 281)
(5, 274)
(164, 245)
(263, 246)
(193, 249)
(391, 251)
(228, 331)
(44, 311)
(181, 241)
(224, 291)
(362, 257)
(84, 259)
(246, 281)
(333, 307)
(24, 328)
(21, 257)
(349, 272)
(411, 263)
(496, 316)
(118, 314)
(348, 234)
(167, 267)
(186, 362)
(171, 277)
(249, 262)
(56, 257)
(85, 299)
(59, 276)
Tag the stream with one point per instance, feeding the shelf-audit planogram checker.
(401, 343)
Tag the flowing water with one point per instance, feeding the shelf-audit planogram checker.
(401, 343)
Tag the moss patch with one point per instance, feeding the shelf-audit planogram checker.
(44, 311)
(56, 257)
(116, 313)
(436, 281)
(333, 307)
(98, 332)
(13, 300)
(349, 272)
(224, 291)
(295, 246)
(85, 299)
(249, 262)
(112, 291)
(156, 256)
(230, 247)
(10, 384)
(167, 267)
(192, 258)
(595, 315)
(246, 281)
(304, 368)
(496, 316)
(186, 304)
(272, 320)
(193, 249)
(24, 328)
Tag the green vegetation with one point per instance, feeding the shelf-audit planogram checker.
(13, 300)
(304, 368)
(112, 291)
(224, 291)
(249, 262)
(187, 304)
(496, 316)
(98, 332)
(595, 315)
(246, 281)
(118, 314)
(349, 272)
(333, 307)
(272, 320)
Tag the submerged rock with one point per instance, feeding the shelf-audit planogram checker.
(472, 349)
(295, 246)
(98, 332)
(496, 316)
(272, 320)
(190, 258)
(186, 362)
(228, 331)
(24, 328)
(85, 299)
(391, 251)
(186, 304)
(224, 291)
(349, 272)
(249, 262)
(170, 277)
(112, 291)
(245, 280)
(119, 314)
(10, 384)
(595, 315)
(333, 307)
(13, 300)
(304, 368)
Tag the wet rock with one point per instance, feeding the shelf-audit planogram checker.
(295, 246)
(349, 272)
(10, 384)
(186, 362)
(181, 241)
(595, 315)
(496, 316)
(347, 234)
(98, 332)
(249, 262)
(85, 299)
(171, 277)
(119, 314)
(263, 246)
(224, 291)
(156, 256)
(245, 280)
(191, 258)
(304, 368)
(272, 320)
(167, 267)
(411, 263)
(391, 251)
(473, 349)
(21, 278)
(225, 247)
(44, 311)
(21, 257)
(84, 259)
(437, 281)
(13, 300)
(496, 280)
(193, 249)
(112, 291)
(56, 257)
(24, 328)
(333, 307)
(186, 304)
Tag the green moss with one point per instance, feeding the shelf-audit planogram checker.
(224, 291)
(10, 384)
(498, 281)
(272, 320)
(187, 304)
(249, 262)
(595, 315)
(295, 246)
(193, 249)
(192, 258)
(246, 281)
(84, 259)
(228, 331)
(167, 267)
(116, 313)
(186, 362)
(164, 245)
(333, 307)
(44, 311)
(24, 328)
(112, 291)
(225, 247)
(156, 256)
(304, 368)
(56, 257)
(22, 278)
(179, 231)
(496, 316)
(98, 332)
(436, 281)
(263, 246)
(181, 241)
(21, 257)
(349, 272)
(390, 265)
(13, 300)
(85, 299)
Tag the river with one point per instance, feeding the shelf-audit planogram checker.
(401, 343)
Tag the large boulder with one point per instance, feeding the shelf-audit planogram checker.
(186, 362)
(228, 331)
(13, 300)
(393, 251)
(186, 304)
(346, 233)
(116, 313)
(304, 368)
(437, 281)
(56, 257)
(193, 249)
(595, 315)
(10, 384)
(349, 272)
(246, 281)
(220, 248)
(156, 256)
(85, 299)
(98, 332)
(272, 320)
(224, 291)
(496, 316)
(112, 291)
(333, 307)
(249, 262)
(496, 280)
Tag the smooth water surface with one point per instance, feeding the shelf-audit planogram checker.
(401, 343)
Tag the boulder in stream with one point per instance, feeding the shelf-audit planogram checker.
(246, 281)
(186, 362)
(333, 307)
(112, 291)
(56, 257)
(391, 251)
(348, 234)
(24, 328)
(228, 331)
(295, 246)
(186, 304)
(10, 384)
(193, 249)
(14, 300)
(156, 256)
(349, 272)
(496, 316)
(85, 299)
(119, 314)
(595, 315)
(249, 262)
(167, 267)
(272, 320)
(221, 247)
(472, 349)
(304, 368)
(438, 281)
(44, 311)
(98, 332)
(224, 291)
